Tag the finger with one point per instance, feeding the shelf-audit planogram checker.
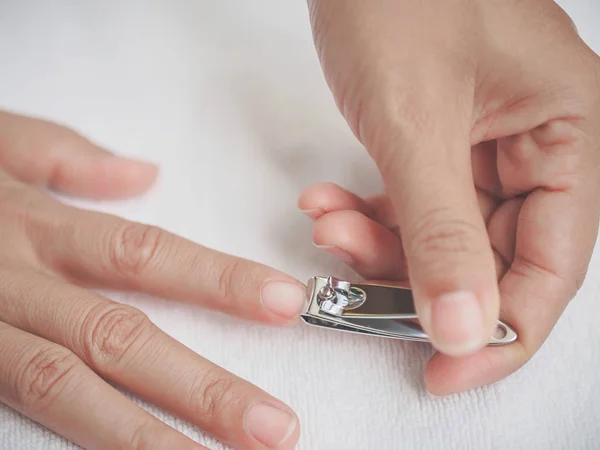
(502, 228)
(376, 252)
(450, 259)
(501, 265)
(121, 344)
(101, 250)
(365, 245)
(43, 153)
(485, 168)
(322, 198)
(556, 231)
(52, 386)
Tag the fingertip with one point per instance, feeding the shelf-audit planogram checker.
(456, 323)
(322, 198)
(336, 232)
(446, 375)
(459, 320)
(339, 228)
(272, 426)
(116, 177)
(310, 198)
(291, 442)
(47, 154)
(439, 378)
(137, 171)
(365, 245)
(339, 253)
(314, 213)
(283, 301)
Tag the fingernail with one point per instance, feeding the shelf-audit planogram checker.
(457, 323)
(137, 162)
(120, 162)
(338, 253)
(269, 425)
(284, 299)
(313, 213)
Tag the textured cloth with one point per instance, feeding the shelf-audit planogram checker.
(228, 97)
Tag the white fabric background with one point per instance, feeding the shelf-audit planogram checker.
(228, 97)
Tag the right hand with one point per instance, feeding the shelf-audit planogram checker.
(59, 342)
(482, 117)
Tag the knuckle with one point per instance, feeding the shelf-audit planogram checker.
(399, 115)
(62, 141)
(44, 376)
(115, 334)
(135, 247)
(20, 205)
(527, 267)
(142, 437)
(436, 234)
(407, 113)
(229, 273)
(212, 396)
(566, 279)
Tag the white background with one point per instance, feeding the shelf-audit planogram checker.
(228, 97)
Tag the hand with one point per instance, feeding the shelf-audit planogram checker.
(484, 120)
(59, 341)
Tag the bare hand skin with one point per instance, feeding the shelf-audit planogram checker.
(60, 341)
(484, 120)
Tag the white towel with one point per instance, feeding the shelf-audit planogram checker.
(228, 97)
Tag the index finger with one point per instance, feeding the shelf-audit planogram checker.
(102, 250)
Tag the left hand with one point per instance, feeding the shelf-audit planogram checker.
(60, 343)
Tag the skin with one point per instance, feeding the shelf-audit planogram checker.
(60, 343)
(484, 120)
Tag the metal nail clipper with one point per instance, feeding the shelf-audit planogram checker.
(374, 309)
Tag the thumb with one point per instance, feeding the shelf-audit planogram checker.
(39, 152)
(449, 255)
